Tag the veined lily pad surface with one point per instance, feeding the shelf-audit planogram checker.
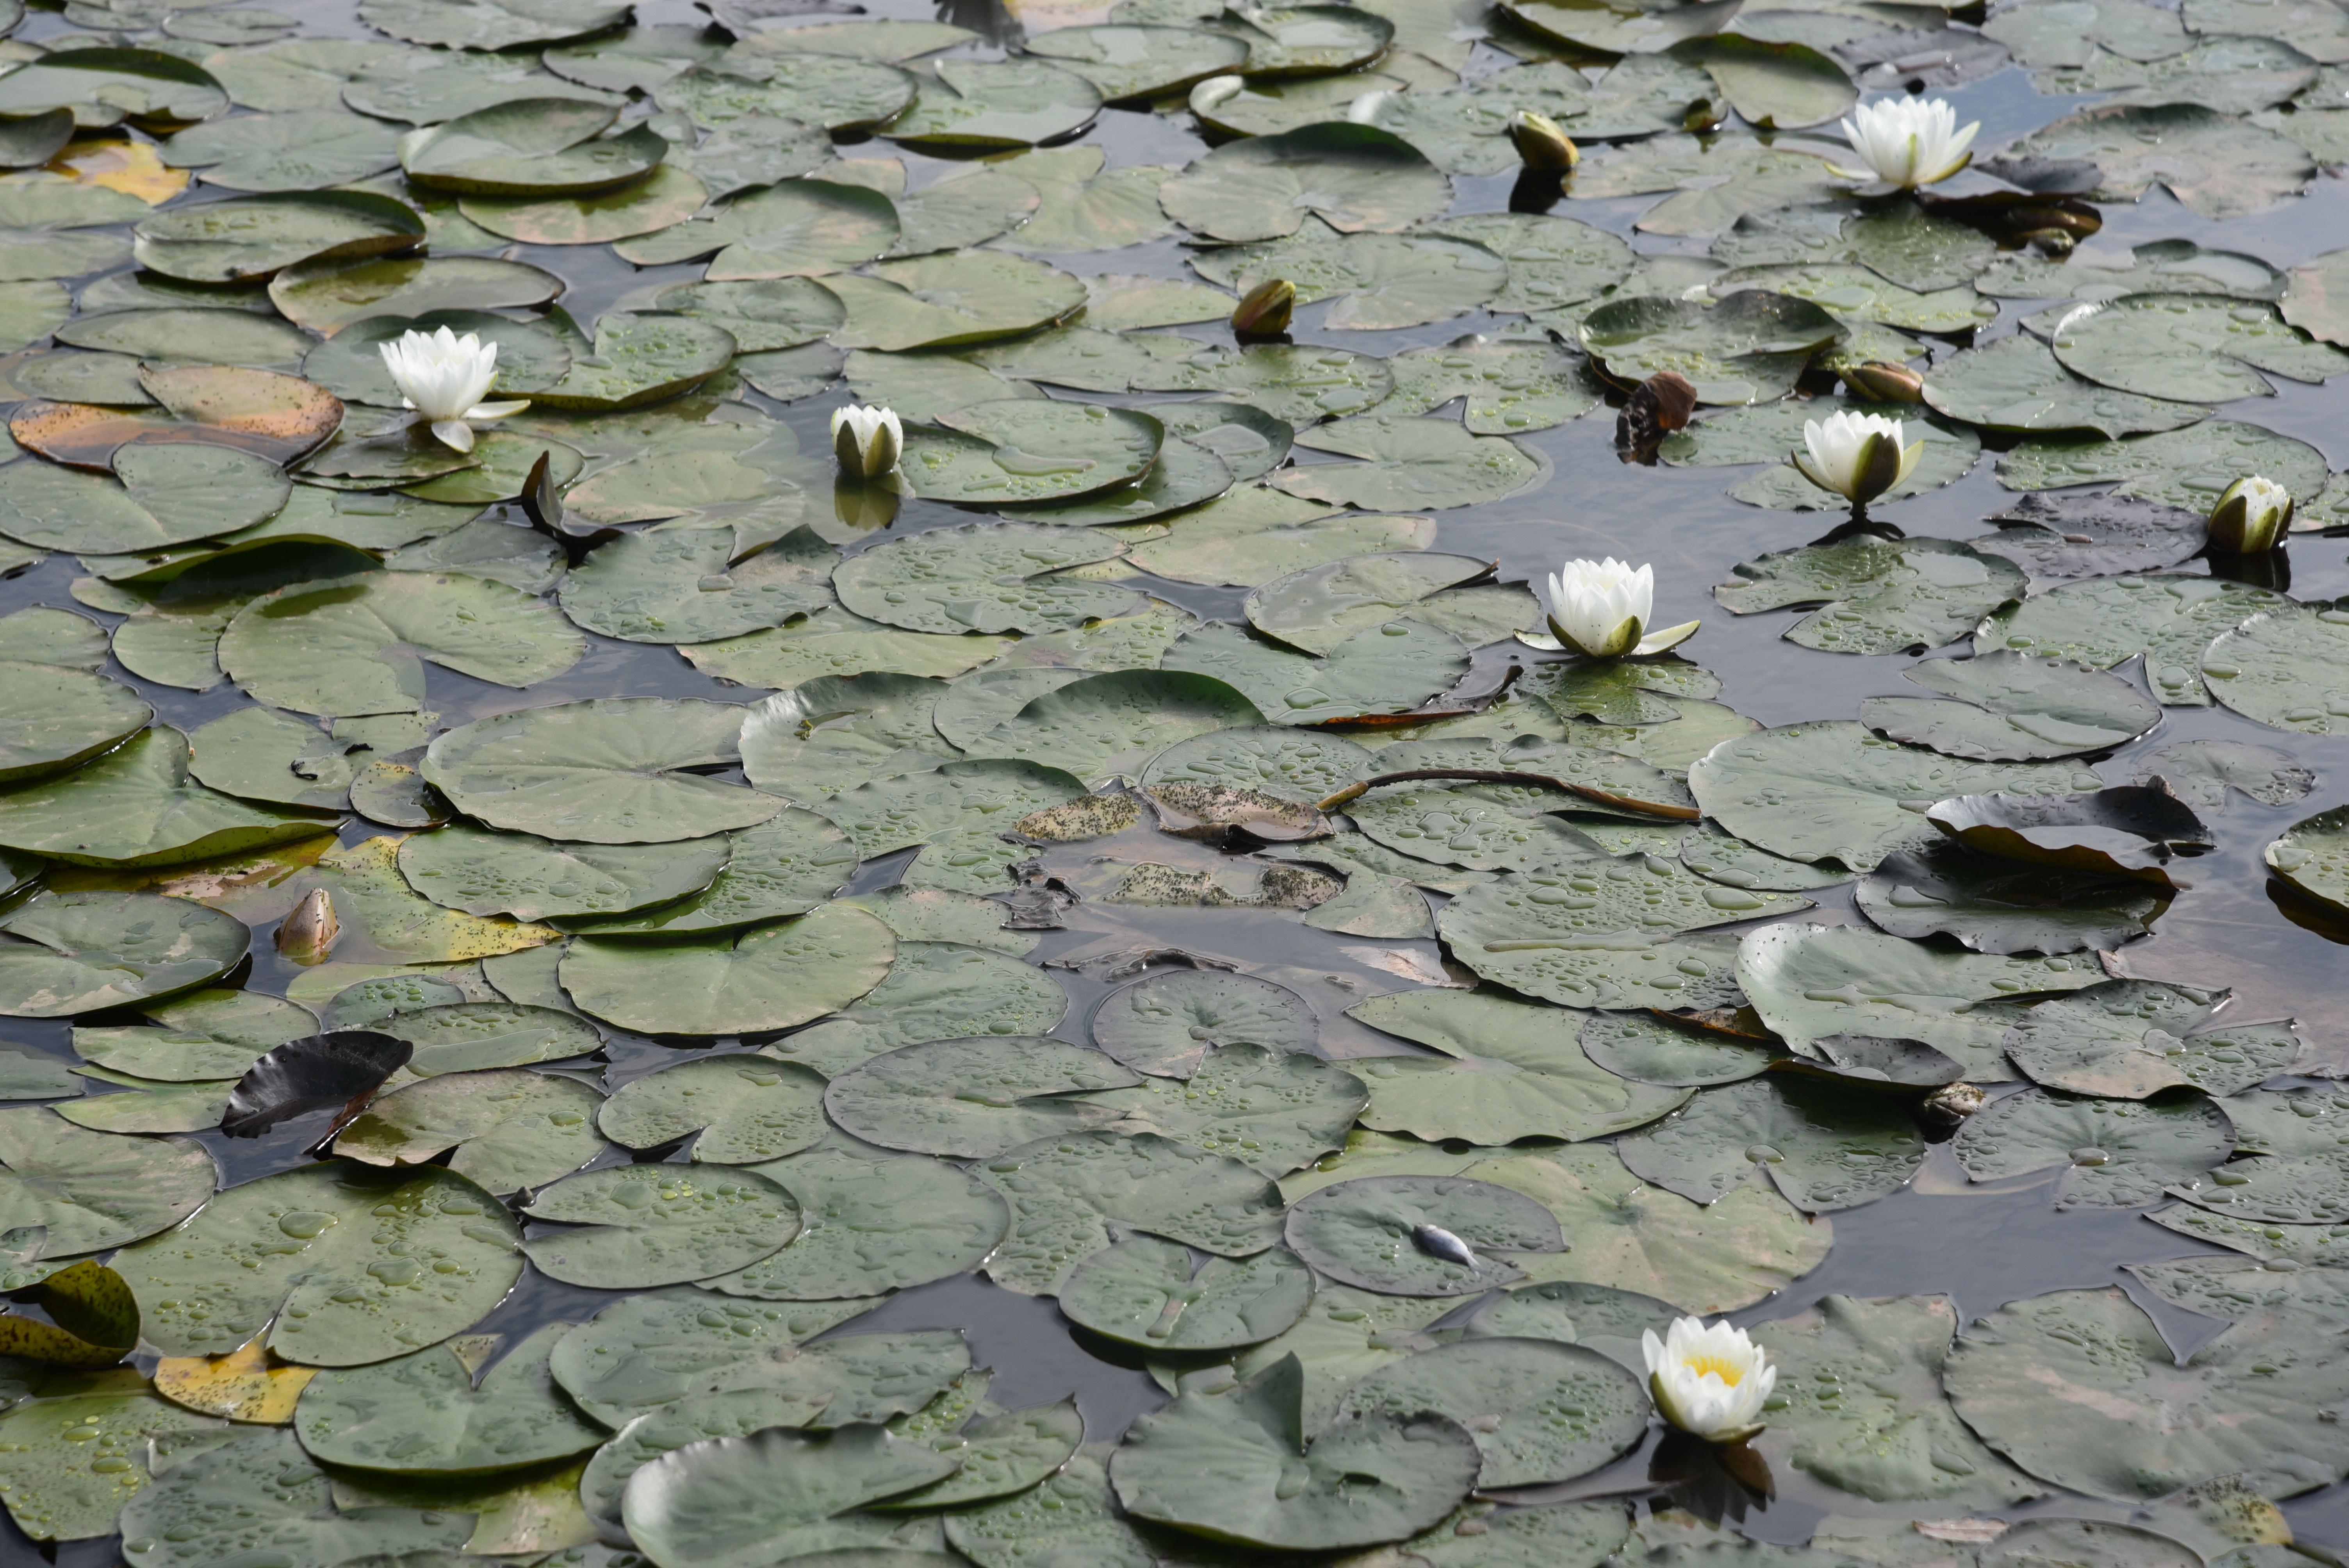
(1084, 974)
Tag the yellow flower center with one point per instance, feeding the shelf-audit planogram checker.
(1727, 1371)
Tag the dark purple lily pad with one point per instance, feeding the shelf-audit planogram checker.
(338, 1071)
(2129, 830)
(2051, 535)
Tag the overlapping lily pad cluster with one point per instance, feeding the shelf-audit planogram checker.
(730, 1010)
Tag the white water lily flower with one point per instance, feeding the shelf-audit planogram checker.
(868, 441)
(1908, 142)
(1709, 1382)
(1601, 609)
(1857, 456)
(1214, 90)
(443, 376)
(2252, 516)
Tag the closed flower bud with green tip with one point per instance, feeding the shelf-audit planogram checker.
(1540, 144)
(2253, 516)
(1884, 382)
(1265, 310)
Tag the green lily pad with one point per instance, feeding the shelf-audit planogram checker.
(339, 1264)
(300, 150)
(666, 1350)
(162, 494)
(1993, 906)
(738, 1109)
(1107, 724)
(211, 1034)
(726, 1502)
(980, 105)
(86, 1191)
(2119, 1153)
(2011, 707)
(951, 812)
(974, 1099)
(1235, 1465)
(106, 85)
(504, 1130)
(1353, 177)
(2232, 75)
(1299, 383)
(1545, 1412)
(639, 358)
(1383, 281)
(1510, 384)
(934, 991)
(781, 313)
(631, 1226)
(2018, 384)
(472, 1036)
(683, 585)
(2206, 774)
(530, 356)
(794, 228)
(1625, 27)
(1549, 930)
(944, 302)
(1516, 1070)
(1067, 1192)
(2219, 166)
(2273, 668)
(871, 1223)
(1318, 608)
(1748, 349)
(2193, 347)
(497, 24)
(1275, 1110)
(1807, 981)
(2171, 620)
(1375, 1232)
(769, 977)
(1124, 62)
(981, 577)
(422, 1414)
(531, 146)
(834, 733)
(2130, 1039)
(1861, 1409)
(1879, 596)
(253, 237)
(482, 872)
(53, 719)
(612, 770)
(1166, 1024)
(63, 954)
(1832, 791)
(1649, 1050)
(135, 807)
(1029, 449)
(1825, 1146)
(1409, 464)
(2244, 1403)
(785, 865)
(47, 231)
(217, 1499)
(1146, 1292)
(671, 195)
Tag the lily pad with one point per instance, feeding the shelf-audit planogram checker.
(632, 1226)
(480, 872)
(215, 1502)
(1220, 1465)
(738, 1109)
(505, 1130)
(2312, 856)
(422, 1413)
(2272, 668)
(531, 146)
(1544, 1412)
(75, 1461)
(612, 770)
(786, 865)
(63, 954)
(339, 1264)
(871, 1223)
(1067, 1192)
(683, 585)
(1825, 1146)
(1166, 1025)
(2130, 1039)
(791, 229)
(974, 1099)
(726, 1502)
(1852, 789)
(1353, 177)
(2187, 468)
(2192, 348)
(639, 358)
(163, 494)
(2011, 707)
(1409, 464)
(1749, 348)
(106, 86)
(2118, 1153)
(1879, 596)
(769, 977)
(981, 577)
(2219, 166)
(1026, 451)
(1994, 906)
(1807, 981)
(981, 105)
(953, 812)
(83, 1192)
(944, 302)
(1146, 1292)
(2226, 1410)
(134, 805)
(2018, 384)
(2206, 774)
(1124, 62)
(2171, 620)
(1404, 1235)
(253, 237)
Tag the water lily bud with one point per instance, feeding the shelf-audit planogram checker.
(2252, 516)
(1908, 142)
(1857, 456)
(1711, 1383)
(1214, 90)
(309, 933)
(1264, 311)
(1884, 382)
(867, 441)
(1541, 144)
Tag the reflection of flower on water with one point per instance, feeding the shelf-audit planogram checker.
(1709, 1382)
(1857, 456)
(1600, 609)
(1908, 142)
(443, 377)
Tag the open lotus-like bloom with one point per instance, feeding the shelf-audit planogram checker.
(1709, 1382)
(1601, 609)
(868, 441)
(443, 376)
(1857, 456)
(1908, 142)
(2254, 515)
